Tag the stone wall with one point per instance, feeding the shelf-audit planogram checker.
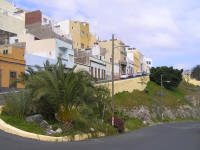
(128, 84)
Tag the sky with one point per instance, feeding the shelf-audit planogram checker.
(168, 31)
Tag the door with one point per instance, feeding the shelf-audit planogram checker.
(13, 77)
(0, 78)
(98, 74)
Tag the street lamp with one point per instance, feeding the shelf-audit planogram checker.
(162, 100)
(113, 47)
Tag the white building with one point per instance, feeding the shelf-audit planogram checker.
(149, 64)
(94, 59)
(12, 18)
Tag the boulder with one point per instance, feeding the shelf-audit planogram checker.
(34, 118)
(59, 131)
(44, 124)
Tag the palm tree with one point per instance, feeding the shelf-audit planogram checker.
(64, 90)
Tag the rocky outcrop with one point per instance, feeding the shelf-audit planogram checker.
(159, 111)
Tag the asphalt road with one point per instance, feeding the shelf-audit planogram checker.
(177, 136)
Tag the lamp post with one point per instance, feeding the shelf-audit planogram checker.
(113, 56)
(162, 99)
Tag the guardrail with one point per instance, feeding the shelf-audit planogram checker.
(106, 81)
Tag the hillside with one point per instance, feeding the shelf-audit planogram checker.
(182, 102)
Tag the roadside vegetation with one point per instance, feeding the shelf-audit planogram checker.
(151, 95)
(66, 99)
(70, 100)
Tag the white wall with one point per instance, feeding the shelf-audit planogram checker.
(64, 26)
(44, 48)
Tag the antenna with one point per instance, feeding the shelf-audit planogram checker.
(13, 2)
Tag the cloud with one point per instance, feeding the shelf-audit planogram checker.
(183, 66)
(158, 28)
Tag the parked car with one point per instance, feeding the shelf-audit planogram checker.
(130, 75)
(139, 73)
(123, 76)
(134, 75)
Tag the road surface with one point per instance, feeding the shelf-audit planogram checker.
(176, 136)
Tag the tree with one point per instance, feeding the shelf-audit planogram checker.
(59, 91)
(174, 76)
(196, 73)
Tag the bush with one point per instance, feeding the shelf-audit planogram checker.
(133, 124)
(118, 123)
(196, 73)
(168, 74)
(18, 104)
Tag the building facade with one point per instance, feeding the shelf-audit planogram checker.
(138, 58)
(94, 58)
(78, 31)
(149, 64)
(49, 49)
(12, 64)
(119, 56)
(12, 18)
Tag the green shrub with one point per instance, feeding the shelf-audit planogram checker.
(168, 74)
(133, 124)
(18, 104)
(196, 73)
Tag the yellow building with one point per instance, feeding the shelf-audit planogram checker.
(138, 59)
(120, 57)
(12, 64)
(79, 32)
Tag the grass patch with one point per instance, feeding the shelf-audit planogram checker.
(133, 124)
(171, 98)
(21, 124)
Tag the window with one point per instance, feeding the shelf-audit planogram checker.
(45, 20)
(82, 45)
(100, 57)
(35, 38)
(13, 77)
(16, 40)
(92, 71)
(72, 27)
(82, 33)
(71, 58)
(5, 52)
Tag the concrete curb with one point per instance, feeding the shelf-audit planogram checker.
(12, 130)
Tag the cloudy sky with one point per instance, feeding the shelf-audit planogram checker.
(166, 30)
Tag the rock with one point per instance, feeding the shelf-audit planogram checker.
(192, 99)
(142, 113)
(34, 118)
(49, 132)
(169, 113)
(144, 122)
(59, 131)
(44, 124)
(92, 129)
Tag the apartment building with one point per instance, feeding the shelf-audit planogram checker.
(94, 58)
(12, 21)
(120, 57)
(42, 43)
(149, 64)
(78, 31)
(138, 58)
(12, 64)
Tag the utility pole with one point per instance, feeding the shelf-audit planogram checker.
(113, 80)
(162, 95)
